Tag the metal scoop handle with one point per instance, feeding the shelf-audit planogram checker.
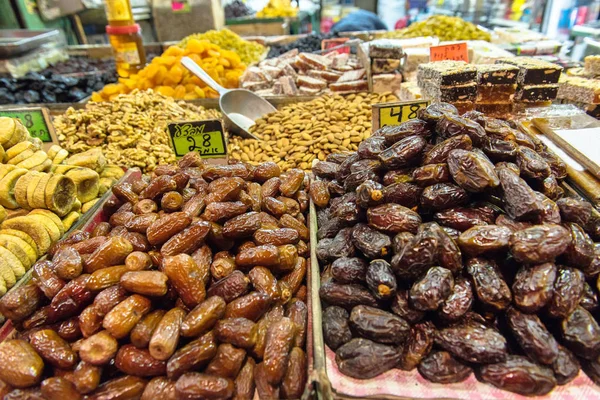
(200, 73)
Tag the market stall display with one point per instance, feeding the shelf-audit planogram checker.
(446, 247)
(41, 195)
(580, 86)
(131, 130)
(443, 27)
(306, 74)
(452, 82)
(308, 44)
(167, 76)
(297, 134)
(496, 88)
(194, 288)
(249, 52)
(537, 81)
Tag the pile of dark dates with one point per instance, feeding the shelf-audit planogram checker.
(193, 289)
(447, 245)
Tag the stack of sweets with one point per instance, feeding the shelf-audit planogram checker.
(496, 88)
(453, 82)
(306, 74)
(537, 81)
(583, 92)
(591, 65)
(385, 64)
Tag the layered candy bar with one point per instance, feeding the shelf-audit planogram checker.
(579, 89)
(496, 74)
(447, 73)
(533, 71)
(537, 93)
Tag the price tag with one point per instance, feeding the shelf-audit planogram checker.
(205, 137)
(396, 113)
(455, 52)
(327, 44)
(37, 121)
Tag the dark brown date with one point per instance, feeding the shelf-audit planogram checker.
(380, 279)
(442, 367)
(439, 152)
(401, 306)
(378, 325)
(574, 210)
(346, 295)
(539, 243)
(580, 252)
(519, 375)
(417, 346)
(403, 193)
(568, 292)
(488, 283)
(430, 292)
(533, 286)
(404, 152)
(566, 366)
(393, 218)
(443, 195)
(581, 334)
(194, 385)
(231, 287)
(365, 359)
(336, 330)
(372, 243)
(485, 345)
(484, 239)
(531, 164)
(192, 356)
(520, 201)
(459, 302)
(532, 336)
(472, 171)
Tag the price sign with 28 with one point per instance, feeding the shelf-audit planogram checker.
(396, 113)
(204, 137)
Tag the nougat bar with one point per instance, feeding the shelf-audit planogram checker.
(591, 65)
(447, 73)
(351, 76)
(449, 94)
(313, 83)
(354, 86)
(537, 93)
(385, 48)
(410, 91)
(496, 74)
(315, 61)
(579, 89)
(383, 83)
(533, 71)
(496, 93)
(384, 65)
(329, 76)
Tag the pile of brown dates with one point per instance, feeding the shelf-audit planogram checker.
(447, 245)
(193, 289)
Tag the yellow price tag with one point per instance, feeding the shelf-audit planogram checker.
(396, 113)
(204, 137)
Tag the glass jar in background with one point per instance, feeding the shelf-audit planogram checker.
(118, 12)
(128, 48)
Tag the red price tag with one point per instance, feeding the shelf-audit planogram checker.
(327, 44)
(455, 52)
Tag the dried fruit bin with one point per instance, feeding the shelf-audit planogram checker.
(399, 384)
(84, 220)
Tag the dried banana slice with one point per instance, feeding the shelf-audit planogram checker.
(38, 195)
(17, 251)
(87, 183)
(60, 194)
(43, 167)
(62, 169)
(50, 226)
(50, 215)
(86, 206)
(21, 188)
(33, 228)
(20, 134)
(53, 150)
(60, 157)
(7, 128)
(7, 187)
(70, 219)
(13, 261)
(36, 159)
(3, 214)
(24, 237)
(10, 241)
(7, 274)
(5, 169)
(22, 156)
(19, 148)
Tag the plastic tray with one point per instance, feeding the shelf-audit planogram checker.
(18, 41)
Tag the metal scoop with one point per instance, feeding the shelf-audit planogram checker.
(240, 107)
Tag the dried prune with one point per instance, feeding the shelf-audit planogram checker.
(565, 367)
(403, 193)
(484, 239)
(442, 367)
(372, 243)
(439, 152)
(431, 174)
(532, 336)
(403, 153)
(574, 210)
(378, 325)
(417, 345)
(346, 295)
(519, 375)
(580, 251)
(520, 201)
(533, 286)
(393, 218)
(432, 290)
(471, 171)
(581, 334)
(459, 302)
(336, 330)
(443, 195)
(349, 270)
(568, 291)
(365, 359)
(539, 243)
(531, 164)
(485, 345)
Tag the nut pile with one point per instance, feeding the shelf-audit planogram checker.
(131, 130)
(41, 195)
(446, 246)
(297, 134)
(193, 289)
